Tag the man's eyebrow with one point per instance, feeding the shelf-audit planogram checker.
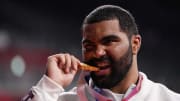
(86, 41)
(110, 37)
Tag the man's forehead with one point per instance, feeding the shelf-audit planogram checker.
(101, 24)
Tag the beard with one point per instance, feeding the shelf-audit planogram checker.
(119, 69)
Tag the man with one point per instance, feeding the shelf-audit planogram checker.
(110, 42)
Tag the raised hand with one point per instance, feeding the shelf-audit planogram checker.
(62, 68)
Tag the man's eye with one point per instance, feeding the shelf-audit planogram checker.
(108, 42)
(89, 47)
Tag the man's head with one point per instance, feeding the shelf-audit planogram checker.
(109, 12)
(109, 37)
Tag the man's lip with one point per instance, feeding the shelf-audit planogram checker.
(103, 71)
(104, 67)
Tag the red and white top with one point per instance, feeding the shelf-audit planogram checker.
(145, 90)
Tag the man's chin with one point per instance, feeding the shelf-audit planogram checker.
(101, 81)
(105, 81)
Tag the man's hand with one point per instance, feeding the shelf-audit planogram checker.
(62, 68)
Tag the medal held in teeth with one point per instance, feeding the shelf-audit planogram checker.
(86, 67)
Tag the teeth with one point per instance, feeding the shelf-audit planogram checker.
(102, 64)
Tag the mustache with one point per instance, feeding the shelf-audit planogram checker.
(94, 61)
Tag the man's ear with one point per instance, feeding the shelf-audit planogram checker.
(136, 43)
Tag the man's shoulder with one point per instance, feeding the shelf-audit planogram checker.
(152, 89)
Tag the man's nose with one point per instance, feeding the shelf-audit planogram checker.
(100, 51)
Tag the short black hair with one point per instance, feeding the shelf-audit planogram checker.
(110, 12)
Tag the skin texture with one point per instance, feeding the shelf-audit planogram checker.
(107, 47)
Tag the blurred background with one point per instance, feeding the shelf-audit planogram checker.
(31, 30)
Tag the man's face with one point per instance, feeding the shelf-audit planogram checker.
(105, 46)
